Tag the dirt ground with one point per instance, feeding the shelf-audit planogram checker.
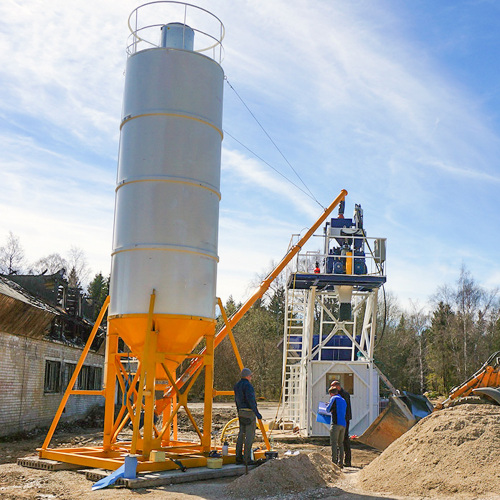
(18, 482)
(451, 454)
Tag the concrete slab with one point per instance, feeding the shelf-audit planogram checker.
(45, 464)
(162, 478)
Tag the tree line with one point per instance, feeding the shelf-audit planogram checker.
(419, 349)
(73, 265)
(439, 349)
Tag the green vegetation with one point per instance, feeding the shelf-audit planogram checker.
(418, 350)
(437, 351)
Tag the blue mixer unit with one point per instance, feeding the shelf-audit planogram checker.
(359, 262)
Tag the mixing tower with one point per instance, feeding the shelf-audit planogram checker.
(330, 326)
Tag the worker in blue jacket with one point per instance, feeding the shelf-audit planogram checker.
(244, 395)
(337, 407)
(348, 418)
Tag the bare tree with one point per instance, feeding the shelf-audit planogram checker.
(78, 268)
(49, 264)
(12, 255)
(468, 299)
(462, 325)
(276, 285)
(400, 346)
(418, 323)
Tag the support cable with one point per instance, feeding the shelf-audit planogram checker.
(379, 340)
(381, 271)
(273, 168)
(273, 143)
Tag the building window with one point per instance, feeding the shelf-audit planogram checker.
(83, 378)
(97, 378)
(69, 369)
(346, 381)
(91, 380)
(52, 383)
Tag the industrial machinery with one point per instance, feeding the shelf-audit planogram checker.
(484, 385)
(330, 332)
(330, 325)
(164, 262)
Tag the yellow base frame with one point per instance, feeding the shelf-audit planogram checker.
(139, 399)
(96, 457)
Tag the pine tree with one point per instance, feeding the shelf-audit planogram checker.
(97, 291)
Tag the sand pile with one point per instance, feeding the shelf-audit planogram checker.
(452, 452)
(286, 476)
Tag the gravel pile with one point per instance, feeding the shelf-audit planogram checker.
(286, 476)
(454, 452)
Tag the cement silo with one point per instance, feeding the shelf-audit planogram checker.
(167, 193)
(164, 259)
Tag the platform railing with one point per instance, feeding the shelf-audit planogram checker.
(145, 34)
(373, 259)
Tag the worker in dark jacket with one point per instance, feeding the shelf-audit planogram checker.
(244, 395)
(337, 407)
(348, 418)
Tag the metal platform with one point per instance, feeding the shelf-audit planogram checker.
(324, 282)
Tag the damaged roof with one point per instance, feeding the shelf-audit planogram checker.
(21, 313)
(17, 292)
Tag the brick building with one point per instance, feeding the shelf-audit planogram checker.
(43, 329)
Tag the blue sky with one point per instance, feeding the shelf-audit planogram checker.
(397, 102)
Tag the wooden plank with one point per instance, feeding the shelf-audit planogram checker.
(162, 478)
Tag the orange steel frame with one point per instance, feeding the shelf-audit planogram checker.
(139, 393)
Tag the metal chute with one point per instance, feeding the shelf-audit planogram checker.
(402, 413)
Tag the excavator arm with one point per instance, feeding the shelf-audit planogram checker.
(488, 376)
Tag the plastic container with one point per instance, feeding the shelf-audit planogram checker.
(225, 449)
(214, 463)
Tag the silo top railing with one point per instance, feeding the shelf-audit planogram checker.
(146, 34)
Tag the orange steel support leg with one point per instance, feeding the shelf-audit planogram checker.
(166, 416)
(209, 387)
(150, 442)
(240, 364)
(174, 421)
(230, 333)
(146, 388)
(109, 390)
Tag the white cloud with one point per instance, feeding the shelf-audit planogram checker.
(258, 178)
(349, 97)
